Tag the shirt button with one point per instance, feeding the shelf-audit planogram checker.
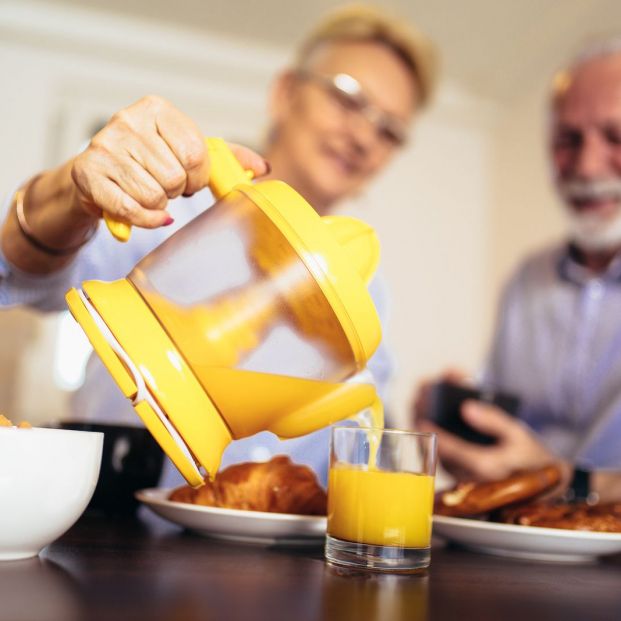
(260, 453)
(596, 289)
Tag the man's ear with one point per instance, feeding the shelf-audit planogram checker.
(281, 96)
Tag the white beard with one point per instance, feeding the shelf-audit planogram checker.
(591, 233)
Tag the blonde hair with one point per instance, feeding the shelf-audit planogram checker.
(365, 23)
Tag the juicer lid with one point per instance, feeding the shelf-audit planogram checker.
(340, 252)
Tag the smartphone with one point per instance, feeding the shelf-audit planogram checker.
(446, 400)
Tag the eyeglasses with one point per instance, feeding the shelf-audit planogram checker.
(346, 92)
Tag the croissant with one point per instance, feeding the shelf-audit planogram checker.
(470, 499)
(276, 486)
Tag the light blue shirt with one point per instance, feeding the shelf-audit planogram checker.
(99, 399)
(558, 347)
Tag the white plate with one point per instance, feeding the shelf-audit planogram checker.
(245, 526)
(532, 542)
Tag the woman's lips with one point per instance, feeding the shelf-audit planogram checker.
(343, 163)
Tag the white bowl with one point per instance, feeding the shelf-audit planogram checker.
(47, 477)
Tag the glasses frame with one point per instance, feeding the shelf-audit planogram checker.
(348, 94)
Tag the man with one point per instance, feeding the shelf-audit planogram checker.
(558, 340)
(338, 117)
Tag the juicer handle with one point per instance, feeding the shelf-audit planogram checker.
(225, 173)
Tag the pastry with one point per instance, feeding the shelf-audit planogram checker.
(605, 517)
(470, 499)
(277, 486)
(511, 501)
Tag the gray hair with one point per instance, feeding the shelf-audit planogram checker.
(596, 48)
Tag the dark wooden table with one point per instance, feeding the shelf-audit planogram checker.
(127, 569)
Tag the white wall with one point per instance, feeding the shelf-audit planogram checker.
(526, 213)
(432, 213)
(62, 70)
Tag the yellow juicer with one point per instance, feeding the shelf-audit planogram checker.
(247, 319)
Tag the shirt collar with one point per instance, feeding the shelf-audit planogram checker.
(571, 269)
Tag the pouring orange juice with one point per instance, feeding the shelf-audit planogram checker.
(252, 317)
(380, 499)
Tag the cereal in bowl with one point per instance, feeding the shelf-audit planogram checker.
(6, 422)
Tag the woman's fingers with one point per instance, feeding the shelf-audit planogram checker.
(250, 160)
(125, 191)
(121, 206)
(155, 156)
(147, 154)
(187, 144)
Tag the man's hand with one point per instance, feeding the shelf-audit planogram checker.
(516, 446)
(422, 396)
(147, 154)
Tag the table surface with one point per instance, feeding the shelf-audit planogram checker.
(129, 569)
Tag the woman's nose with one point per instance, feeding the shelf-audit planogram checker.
(363, 133)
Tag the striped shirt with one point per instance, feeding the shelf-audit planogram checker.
(558, 347)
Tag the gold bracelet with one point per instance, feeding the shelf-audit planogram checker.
(24, 227)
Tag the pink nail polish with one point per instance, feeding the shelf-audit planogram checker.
(168, 221)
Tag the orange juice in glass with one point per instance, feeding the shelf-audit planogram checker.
(380, 498)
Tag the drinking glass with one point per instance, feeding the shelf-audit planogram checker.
(380, 499)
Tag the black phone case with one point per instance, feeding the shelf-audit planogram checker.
(445, 409)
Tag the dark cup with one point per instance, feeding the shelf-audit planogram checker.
(131, 460)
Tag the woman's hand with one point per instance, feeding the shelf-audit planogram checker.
(147, 154)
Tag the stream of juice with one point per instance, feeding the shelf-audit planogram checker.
(373, 417)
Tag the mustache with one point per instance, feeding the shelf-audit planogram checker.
(592, 190)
